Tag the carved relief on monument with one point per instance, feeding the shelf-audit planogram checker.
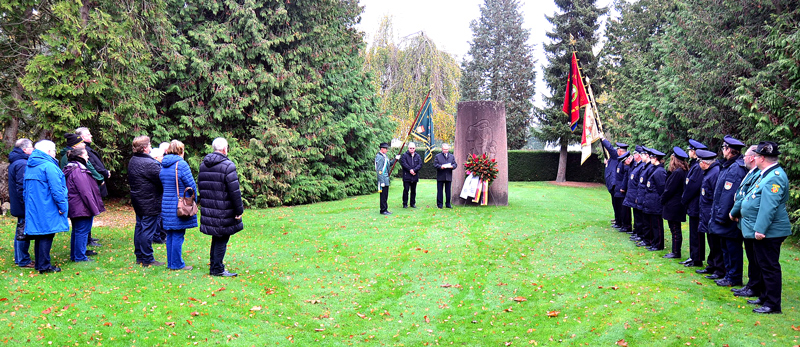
(479, 139)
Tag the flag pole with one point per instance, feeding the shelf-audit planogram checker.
(405, 139)
(597, 120)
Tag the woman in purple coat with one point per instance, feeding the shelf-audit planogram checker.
(84, 201)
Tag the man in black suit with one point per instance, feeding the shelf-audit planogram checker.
(411, 163)
(444, 163)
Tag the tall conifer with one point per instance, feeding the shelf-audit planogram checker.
(501, 66)
(579, 18)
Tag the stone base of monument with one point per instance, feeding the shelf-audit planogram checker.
(481, 128)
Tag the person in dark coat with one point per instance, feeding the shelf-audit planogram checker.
(84, 202)
(620, 189)
(146, 191)
(46, 205)
(411, 162)
(382, 166)
(444, 163)
(16, 184)
(691, 200)
(731, 173)
(715, 267)
(633, 192)
(610, 173)
(641, 193)
(674, 211)
(175, 171)
(652, 202)
(755, 284)
(221, 204)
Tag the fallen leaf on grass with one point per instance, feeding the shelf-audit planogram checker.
(313, 301)
(269, 291)
(195, 314)
(190, 322)
(508, 309)
(614, 287)
(502, 284)
(255, 308)
(46, 311)
(508, 343)
(128, 330)
(553, 313)
(360, 315)
(622, 343)
(795, 328)
(193, 299)
(319, 329)
(3, 299)
(757, 323)
(446, 285)
(221, 289)
(427, 320)
(680, 271)
(172, 324)
(520, 299)
(108, 324)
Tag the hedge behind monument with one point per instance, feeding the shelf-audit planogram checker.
(536, 166)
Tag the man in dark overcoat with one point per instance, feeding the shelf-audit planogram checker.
(691, 199)
(16, 182)
(411, 162)
(444, 163)
(221, 204)
(146, 191)
(715, 268)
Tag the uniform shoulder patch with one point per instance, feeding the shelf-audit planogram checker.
(648, 184)
(687, 181)
(776, 188)
(777, 173)
(728, 185)
(703, 191)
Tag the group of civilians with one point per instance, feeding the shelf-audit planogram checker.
(46, 192)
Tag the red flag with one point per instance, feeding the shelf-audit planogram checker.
(576, 94)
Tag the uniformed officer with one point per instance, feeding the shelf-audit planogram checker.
(754, 286)
(610, 174)
(691, 200)
(764, 217)
(652, 206)
(674, 211)
(641, 193)
(632, 192)
(731, 173)
(620, 189)
(714, 267)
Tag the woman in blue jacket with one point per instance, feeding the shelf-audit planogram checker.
(175, 177)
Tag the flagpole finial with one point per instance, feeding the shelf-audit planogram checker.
(572, 40)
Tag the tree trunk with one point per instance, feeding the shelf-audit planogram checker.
(562, 164)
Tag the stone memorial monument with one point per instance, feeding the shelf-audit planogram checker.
(481, 128)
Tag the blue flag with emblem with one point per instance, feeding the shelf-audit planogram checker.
(422, 130)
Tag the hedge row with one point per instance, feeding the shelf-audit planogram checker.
(537, 166)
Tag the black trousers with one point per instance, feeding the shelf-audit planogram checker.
(697, 242)
(146, 227)
(677, 236)
(754, 282)
(43, 243)
(638, 222)
(715, 264)
(646, 232)
(625, 214)
(443, 185)
(412, 188)
(219, 244)
(768, 253)
(656, 231)
(616, 203)
(384, 198)
(733, 258)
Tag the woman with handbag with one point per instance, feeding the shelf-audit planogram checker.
(178, 204)
(84, 200)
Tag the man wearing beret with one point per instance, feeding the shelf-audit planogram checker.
(715, 267)
(765, 219)
(691, 199)
(731, 172)
(382, 165)
(754, 286)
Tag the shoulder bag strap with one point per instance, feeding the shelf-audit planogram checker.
(177, 186)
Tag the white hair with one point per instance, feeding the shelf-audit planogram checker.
(219, 144)
(23, 143)
(412, 144)
(444, 145)
(156, 152)
(708, 161)
(82, 130)
(45, 145)
(163, 146)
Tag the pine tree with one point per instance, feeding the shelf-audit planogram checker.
(578, 18)
(501, 66)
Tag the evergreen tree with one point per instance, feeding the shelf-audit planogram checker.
(578, 19)
(285, 78)
(501, 66)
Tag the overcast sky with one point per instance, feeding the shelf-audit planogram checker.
(446, 22)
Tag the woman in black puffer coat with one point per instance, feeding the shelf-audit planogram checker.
(220, 203)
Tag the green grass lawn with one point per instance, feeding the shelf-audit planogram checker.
(338, 273)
